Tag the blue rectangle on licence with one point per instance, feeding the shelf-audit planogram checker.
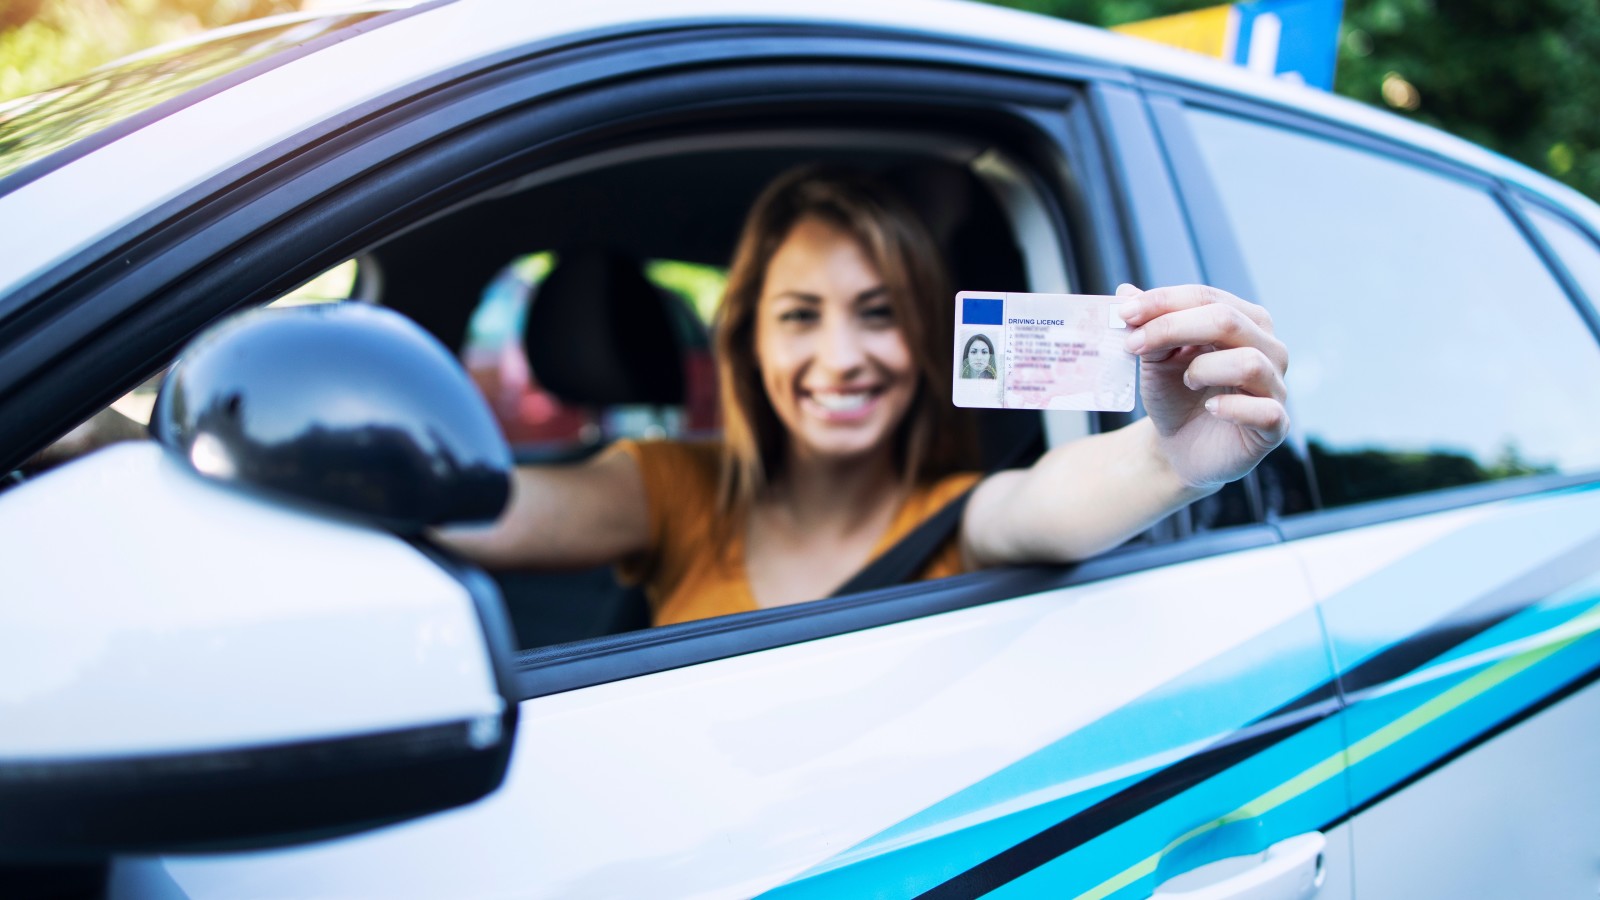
(982, 310)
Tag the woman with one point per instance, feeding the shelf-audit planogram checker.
(977, 358)
(841, 436)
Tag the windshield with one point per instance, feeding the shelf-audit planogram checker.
(34, 127)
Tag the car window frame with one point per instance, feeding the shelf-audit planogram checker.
(119, 275)
(1220, 252)
(247, 230)
(1519, 202)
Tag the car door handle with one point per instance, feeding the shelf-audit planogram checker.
(1291, 869)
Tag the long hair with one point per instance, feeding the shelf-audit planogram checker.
(934, 438)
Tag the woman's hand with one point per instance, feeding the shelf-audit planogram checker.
(1211, 375)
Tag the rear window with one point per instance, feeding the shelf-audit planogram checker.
(1432, 347)
(32, 128)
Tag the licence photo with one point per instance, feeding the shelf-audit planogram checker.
(825, 449)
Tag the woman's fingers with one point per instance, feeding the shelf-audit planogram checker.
(1261, 414)
(1221, 325)
(1244, 369)
(1139, 307)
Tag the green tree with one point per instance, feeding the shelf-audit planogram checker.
(1516, 76)
(44, 43)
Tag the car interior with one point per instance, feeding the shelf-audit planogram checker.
(556, 288)
(590, 322)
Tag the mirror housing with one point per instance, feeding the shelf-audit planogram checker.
(346, 406)
(195, 655)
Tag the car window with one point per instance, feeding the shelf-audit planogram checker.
(1576, 249)
(541, 423)
(1431, 346)
(128, 417)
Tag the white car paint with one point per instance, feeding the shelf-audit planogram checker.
(135, 175)
(284, 625)
(731, 777)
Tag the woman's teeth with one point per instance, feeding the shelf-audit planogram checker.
(841, 402)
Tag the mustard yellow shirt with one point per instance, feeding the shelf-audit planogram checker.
(687, 575)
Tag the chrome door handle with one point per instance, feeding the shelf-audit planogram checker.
(1291, 869)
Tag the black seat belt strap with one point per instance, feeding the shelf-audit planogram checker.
(911, 554)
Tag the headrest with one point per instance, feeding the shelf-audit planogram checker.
(599, 333)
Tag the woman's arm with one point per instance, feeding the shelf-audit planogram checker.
(1211, 377)
(563, 517)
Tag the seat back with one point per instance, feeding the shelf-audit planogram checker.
(599, 333)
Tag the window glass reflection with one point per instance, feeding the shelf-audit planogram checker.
(1576, 249)
(1431, 346)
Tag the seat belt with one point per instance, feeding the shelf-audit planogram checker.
(911, 554)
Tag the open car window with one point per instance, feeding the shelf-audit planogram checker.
(582, 301)
(128, 417)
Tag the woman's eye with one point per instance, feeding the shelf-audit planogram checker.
(800, 315)
(881, 314)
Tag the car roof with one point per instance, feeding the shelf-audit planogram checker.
(130, 177)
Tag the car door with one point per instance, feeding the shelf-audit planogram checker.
(1093, 731)
(1442, 358)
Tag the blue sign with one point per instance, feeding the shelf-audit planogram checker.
(1291, 38)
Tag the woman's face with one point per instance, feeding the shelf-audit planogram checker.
(978, 356)
(833, 360)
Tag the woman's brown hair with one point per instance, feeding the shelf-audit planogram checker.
(935, 439)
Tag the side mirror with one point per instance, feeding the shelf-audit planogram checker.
(195, 655)
(348, 406)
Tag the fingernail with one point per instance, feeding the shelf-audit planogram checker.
(1186, 382)
(1127, 309)
(1135, 341)
(1126, 290)
(1211, 406)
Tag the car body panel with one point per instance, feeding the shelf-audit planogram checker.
(739, 776)
(1086, 741)
(1491, 614)
(1494, 786)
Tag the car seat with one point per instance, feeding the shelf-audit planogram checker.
(598, 334)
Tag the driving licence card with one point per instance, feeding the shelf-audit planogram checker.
(1041, 351)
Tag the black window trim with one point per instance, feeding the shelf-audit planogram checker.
(566, 667)
(93, 295)
(1168, 102)
(664, 47)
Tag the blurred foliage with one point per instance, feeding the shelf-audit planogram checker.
(39, 124)
(44, 43)
(1516, 76)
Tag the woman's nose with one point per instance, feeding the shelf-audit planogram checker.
(841, 346)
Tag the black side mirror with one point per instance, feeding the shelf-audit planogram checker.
(346, 406)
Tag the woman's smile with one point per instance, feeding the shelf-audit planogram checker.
(842, 405)
(833, 360)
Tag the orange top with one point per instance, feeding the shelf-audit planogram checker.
(687, 576)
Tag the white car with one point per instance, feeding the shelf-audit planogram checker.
(1367, 669)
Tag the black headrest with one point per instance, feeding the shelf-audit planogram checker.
(599, 333)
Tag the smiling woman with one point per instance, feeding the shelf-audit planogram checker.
(840, 438)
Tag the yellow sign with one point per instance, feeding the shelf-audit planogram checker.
(1210, 31)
